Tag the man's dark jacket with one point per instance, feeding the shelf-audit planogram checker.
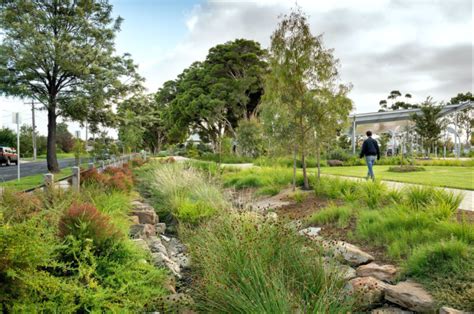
(370, 148)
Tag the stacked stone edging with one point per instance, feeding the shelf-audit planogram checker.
(166, 251)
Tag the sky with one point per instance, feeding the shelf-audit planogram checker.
(420, 47)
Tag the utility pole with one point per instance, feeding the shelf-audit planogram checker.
(16, 120)
(34, 128)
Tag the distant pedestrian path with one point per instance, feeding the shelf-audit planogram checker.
(466, 204)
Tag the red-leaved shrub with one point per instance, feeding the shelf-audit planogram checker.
(84, 221)
(93, 176)
(120, 181)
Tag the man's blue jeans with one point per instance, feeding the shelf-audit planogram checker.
(370, 160)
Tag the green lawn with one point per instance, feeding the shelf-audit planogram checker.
(35, 180)
(455, 177)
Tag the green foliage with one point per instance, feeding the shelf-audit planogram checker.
(210, 97)
(332, 214)
(338, 154)
(298, 196)
(250, 267)
(181, 191)
(226, 158)
(436, 248)
(406, 169)
(78, 76)
(7, 137)
(262, 178)
(428, 123)
(43, 272)
(301, 91)
(249, 137)
(64, 138)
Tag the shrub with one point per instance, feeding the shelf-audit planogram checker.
(120, 181)
(335, 163)
(92, 176)
(18, 206)
(84, 221)
(406, 169)
(338, 154)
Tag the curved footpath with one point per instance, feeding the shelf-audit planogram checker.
(467, 202)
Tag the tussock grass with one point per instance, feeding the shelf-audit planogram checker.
(262, 178)
(182, 191)
(333, 214)
(247, 266)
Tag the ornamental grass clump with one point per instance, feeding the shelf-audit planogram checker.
(84, 221)
(246, 265)
(184, 192)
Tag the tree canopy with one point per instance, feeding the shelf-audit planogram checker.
(302, 85)
(210, 97)
(61, 53)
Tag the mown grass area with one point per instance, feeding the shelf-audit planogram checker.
(241, 264)
(33, 181)
(455, 177)
(29, 182)
(66, 252)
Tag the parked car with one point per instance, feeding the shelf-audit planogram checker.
(8, 156)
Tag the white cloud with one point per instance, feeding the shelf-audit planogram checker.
(382, 45)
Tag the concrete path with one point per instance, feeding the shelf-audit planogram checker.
(466, 204)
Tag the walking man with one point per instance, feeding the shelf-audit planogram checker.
(370, 149)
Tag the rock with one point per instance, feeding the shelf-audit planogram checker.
(156, 246)
(177, 303)
(182, 260)
(272, 216)
(311, 232)
(146, 216)
(174, 247)
(160, 228)
(141, 244)
(389, 310)
(410, 295)
(294, 225)
(450, 310)
(162, 260)
(368, 291)
(349, 252)
(385, 272)
(142, 231)
(344, 272)
(135, 220)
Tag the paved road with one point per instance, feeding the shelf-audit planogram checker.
(30, 168)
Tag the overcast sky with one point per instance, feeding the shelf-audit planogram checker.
(424, 48)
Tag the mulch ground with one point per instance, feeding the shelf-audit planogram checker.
(313, 203)
(465, 215)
